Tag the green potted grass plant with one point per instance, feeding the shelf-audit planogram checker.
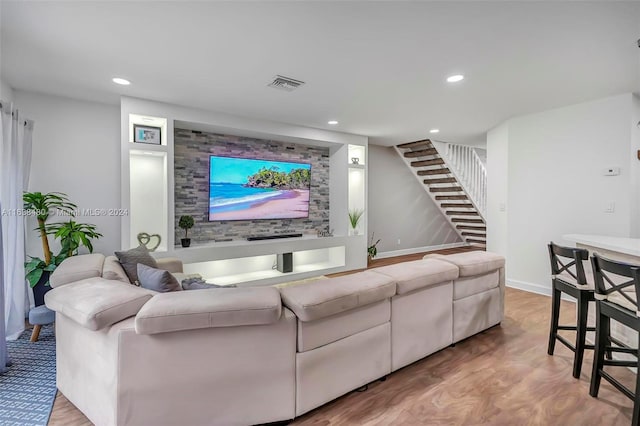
(354, 218)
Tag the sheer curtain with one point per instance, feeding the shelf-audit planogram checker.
(15, 161)
(4, 359)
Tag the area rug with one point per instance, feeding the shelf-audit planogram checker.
(28, 389)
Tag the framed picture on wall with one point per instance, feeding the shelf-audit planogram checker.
(147, 134)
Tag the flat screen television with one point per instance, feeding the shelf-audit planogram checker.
(250, 189)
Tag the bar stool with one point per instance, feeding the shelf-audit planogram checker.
(616, 286)
(568, 276)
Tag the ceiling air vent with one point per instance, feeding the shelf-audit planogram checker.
(285, 83)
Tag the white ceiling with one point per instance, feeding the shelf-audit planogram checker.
(377, 67)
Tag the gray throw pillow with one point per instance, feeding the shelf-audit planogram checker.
(157, 279)
(129, 260)
(196, 283)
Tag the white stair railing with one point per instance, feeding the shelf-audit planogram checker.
(466, 165)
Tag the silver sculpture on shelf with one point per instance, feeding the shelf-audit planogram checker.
(150, 241)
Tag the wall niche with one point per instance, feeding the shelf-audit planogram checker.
(191, 170)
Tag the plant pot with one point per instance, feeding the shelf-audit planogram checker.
(40, 289)
(186, 242)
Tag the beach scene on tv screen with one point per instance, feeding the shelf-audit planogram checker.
(248, 189)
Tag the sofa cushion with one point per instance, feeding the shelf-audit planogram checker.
(112, 270)
(220, 307)
(77, 268)
(129, 260)
(468, 286)
(418, 274)
(157, 279)
(313, 334)
(96, 303)
(472, 262)
(320, 299)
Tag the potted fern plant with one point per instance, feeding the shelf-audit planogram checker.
(186, 223)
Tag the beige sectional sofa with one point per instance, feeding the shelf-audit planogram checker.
(241, 356)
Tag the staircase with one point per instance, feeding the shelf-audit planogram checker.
(456, 179)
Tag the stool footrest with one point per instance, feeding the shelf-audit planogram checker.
(567, 327)
(616, 384)
(619, 343)
(565, 342)
(624, 350)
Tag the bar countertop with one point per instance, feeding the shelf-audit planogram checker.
(630, 246)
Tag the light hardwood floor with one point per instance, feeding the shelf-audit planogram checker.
(502, 376)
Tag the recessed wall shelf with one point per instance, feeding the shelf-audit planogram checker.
(261, 269)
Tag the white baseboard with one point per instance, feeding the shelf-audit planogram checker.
(530, 287)
(394, 253)
(535, 288)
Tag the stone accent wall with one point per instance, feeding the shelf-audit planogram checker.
(191, 169)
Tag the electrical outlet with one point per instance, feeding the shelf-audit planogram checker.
(502, 207)
(398, 241)
(610, 207)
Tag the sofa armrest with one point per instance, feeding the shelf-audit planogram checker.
(171, 264)
(219, 307)
(76, 268)
(96, 303)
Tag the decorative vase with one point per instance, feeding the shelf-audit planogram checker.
(186, 242)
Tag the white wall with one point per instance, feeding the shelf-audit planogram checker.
(555, 185)
(6, 92)
(635, 166)
(399, 208)
(76, 150)
(497, 178)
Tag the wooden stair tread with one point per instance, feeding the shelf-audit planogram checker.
(424, 142)
(451, 197)
(470, 227)
(462, 213)
(473, 240)
(466, 220)
(440, 171)
(446, 189)
(474, 234)
(454, 205)
(422, 163)
(440, 180)
(421, 153)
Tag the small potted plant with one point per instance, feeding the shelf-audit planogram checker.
(186, 223)
(354, 218)
(372, 250)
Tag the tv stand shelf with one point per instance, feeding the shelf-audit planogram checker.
(244, 262)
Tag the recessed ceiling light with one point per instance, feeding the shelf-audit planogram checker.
(434, 131)
(332, 122)
(121, 81)
(455, 78)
